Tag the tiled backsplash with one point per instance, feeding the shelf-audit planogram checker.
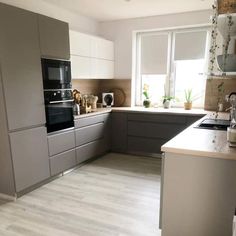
(99, 86)
(212, 93)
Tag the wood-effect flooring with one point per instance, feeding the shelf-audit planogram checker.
(115, 195)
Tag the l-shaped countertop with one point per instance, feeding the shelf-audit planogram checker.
(191, 141)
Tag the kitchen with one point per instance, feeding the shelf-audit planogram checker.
(56, 180)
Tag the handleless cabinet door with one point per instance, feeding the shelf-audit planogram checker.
(21, 67)
(80, 44)
(80, 67)
(54, 38)
(30, 157)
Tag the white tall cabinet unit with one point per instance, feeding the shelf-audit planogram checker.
(91, 57)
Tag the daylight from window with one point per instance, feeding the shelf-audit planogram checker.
(170, 63)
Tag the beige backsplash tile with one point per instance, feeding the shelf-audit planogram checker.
(98, 86)
(212, 94)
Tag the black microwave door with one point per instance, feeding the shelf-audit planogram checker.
(59, 116)
(56, 74)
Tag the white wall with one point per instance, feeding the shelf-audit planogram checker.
(121, 33)
(76, 22)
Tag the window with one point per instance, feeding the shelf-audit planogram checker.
(170, 62)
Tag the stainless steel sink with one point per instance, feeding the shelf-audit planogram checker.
(214, 124)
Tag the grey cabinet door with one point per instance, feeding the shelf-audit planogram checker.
(62, 162)
(61, 142)
(119, 132)
(54, 38)
(21, 67)
(30, 157)
(89, 150)
(89, 133)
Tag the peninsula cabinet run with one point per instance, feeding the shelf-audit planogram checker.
(143, 133)
(25, 38)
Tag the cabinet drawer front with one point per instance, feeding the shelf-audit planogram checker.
(145, 145)
(62, 162)
(61, 142)
(81, 122)
(158, 118)
(90, 150)
(30, 157)
(154, 130)
(89, 133)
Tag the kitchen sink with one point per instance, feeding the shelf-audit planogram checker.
(214, 124)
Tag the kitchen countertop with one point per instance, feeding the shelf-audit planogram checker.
(94, 112)
(202, 142)
(171, 111)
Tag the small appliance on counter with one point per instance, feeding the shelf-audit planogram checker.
(107, 99)
(231, 131)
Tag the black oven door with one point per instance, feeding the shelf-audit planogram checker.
(59, 115)
(56, 74)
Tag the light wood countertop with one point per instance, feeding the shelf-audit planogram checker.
(171, 111)
(202, 142)
(94, 112)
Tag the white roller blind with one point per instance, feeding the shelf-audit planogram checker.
(154, 51)
(190, 45)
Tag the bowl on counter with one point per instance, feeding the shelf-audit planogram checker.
(230, 63)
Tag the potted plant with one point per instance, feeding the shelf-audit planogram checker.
(167, 101)
(188, 99)
(146, 101)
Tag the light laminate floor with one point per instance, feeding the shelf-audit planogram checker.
(116, 195)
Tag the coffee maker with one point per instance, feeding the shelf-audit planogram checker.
(231, 131)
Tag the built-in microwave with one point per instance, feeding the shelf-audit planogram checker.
(56, 74)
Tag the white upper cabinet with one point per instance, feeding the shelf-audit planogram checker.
(80, 44)
(102, 48)
(101, 69)
(91, 57)
(80, 67)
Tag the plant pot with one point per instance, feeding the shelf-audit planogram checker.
(167, 104)
(146, 103)
(187, 105)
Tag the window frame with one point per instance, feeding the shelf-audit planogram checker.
(136, 99)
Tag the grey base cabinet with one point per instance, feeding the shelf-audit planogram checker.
(142, 133)
(119, 132)
(197, 203)
(62, 162)
(90, 150)
(93, 136)
(30, 157)
(61, 151)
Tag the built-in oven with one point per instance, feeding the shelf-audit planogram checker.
(56, 74)
(59, 109)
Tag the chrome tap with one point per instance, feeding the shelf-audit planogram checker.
(232, 100)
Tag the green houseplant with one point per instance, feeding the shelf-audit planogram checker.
(188, 99)
(167, 101)
(146, 101)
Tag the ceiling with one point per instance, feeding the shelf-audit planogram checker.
(107, 10)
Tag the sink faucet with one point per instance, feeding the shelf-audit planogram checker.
(232, 100)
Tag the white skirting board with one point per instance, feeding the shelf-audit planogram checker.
(7, 197)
